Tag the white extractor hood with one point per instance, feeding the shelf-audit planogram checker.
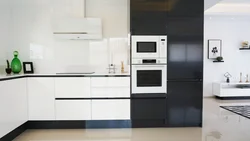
(77, 28)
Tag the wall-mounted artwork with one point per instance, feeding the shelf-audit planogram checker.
(214, 48)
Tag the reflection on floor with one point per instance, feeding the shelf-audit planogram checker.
(218, 125)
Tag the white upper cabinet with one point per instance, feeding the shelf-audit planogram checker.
(72, 87)
(41, 98)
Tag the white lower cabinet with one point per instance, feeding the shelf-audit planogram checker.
(73, 109)
(110, 82)
(41, 98)
(110, 87)
(111, 109)
(13, 105)
(115, 92)
(73, 87)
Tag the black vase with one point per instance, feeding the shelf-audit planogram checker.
(8, 70)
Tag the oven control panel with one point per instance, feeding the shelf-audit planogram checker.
(149, 61)
(163, 46)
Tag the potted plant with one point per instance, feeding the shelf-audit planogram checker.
(219, 58)
(8, 69)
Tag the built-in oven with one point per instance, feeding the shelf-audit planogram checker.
(149, 46)
(149, 76)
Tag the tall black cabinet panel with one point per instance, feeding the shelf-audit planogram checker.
(148, 108)
(184, 104)
(148, 112)
(148, 17)
(185, 63)
(182, 21)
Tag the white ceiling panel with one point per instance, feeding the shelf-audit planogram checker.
(230, 7)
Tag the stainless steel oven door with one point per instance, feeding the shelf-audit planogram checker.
(149, 79)
(145, 47)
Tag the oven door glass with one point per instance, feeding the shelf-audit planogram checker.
(146, 47)
(149, 78)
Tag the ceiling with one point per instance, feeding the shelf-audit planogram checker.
(230, 7)
(209, 3)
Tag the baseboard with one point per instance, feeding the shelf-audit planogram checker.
(56, 124)
(97, 124)
(233, 98)
(88, 124)
(148, 123)
(15, 133)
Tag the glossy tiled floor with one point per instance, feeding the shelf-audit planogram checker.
(219, 125)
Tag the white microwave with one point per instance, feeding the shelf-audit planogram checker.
(149, 47)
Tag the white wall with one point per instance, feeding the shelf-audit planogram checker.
(31, 30)
(232, 31)
(4, 32)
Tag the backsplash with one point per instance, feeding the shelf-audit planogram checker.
(31, 34)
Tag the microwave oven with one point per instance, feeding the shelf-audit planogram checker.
(149, 47)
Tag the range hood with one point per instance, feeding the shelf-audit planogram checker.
(77, 28)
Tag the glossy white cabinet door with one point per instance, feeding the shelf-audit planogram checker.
(13, 105)
(72, 87)
(110, 82)
(111, 109)
(41, 97)
(108, 87)
(119, 81)
(115, 92)
(73, 110)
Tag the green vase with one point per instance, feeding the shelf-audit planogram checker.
(16, 65)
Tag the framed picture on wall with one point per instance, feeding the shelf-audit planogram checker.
(214, 48)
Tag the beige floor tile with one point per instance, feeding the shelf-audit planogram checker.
(219, 125)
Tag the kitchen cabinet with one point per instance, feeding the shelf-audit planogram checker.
(149, 17)
(110, 82)
(14, 105)
(41, 98)
(184, 104)
(72, 87)
(184, 8)
(148, 112)
(185, 63)
(148, 109)
(110, 92)
(73, 109)
(115, 109)
(110, 87)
